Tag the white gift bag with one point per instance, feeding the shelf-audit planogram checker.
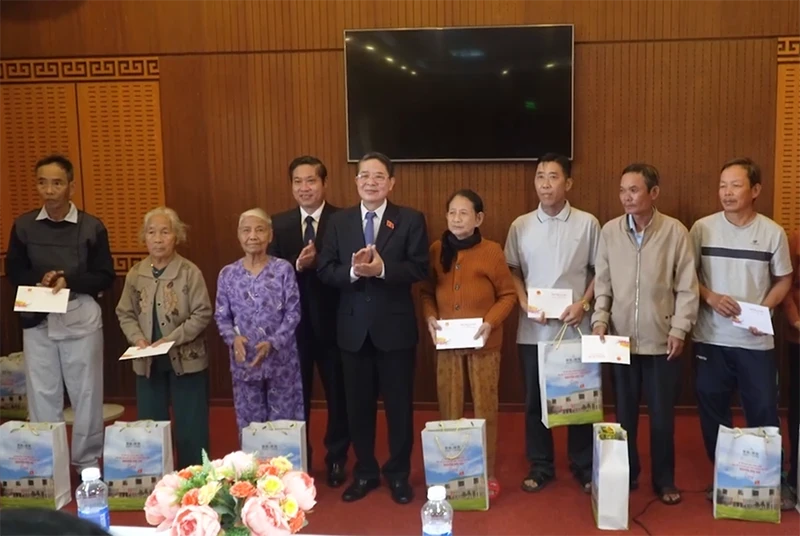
(454, 455)
(136, 455)
(747, 474)
(13, 394)
(278, 438)
(34, 465)
(571, 391)
(610, 476)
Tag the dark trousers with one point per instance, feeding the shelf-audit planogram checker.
(659, 378)
(539, 438)
(722, 369)
(366, 373)
(189, 396)
(329, 366)
(794, 409)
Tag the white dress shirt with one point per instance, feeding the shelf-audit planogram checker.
(71, 217)
(316, 215)
(376, 222)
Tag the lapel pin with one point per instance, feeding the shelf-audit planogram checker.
(390, 224)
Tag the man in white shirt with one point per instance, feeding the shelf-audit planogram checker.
(298, 235)
(742, 257)
(552, 247)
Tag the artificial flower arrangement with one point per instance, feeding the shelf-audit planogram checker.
(238, 495)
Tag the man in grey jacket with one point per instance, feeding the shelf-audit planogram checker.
(646, 289)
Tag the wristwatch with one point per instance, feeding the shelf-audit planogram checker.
(586, 305)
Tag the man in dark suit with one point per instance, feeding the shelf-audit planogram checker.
(298, 236)
(374, 252)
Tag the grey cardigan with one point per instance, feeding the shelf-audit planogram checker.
(184, 311)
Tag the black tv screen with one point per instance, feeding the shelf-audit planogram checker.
(496, 93)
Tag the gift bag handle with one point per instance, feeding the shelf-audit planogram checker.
(451, 456)
(737, 433)
(33, 428)
(562, 331)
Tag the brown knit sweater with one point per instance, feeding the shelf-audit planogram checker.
(478, 285)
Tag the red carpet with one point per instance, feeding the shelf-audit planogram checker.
(560, 509)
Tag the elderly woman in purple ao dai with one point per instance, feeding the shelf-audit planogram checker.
(257, 311)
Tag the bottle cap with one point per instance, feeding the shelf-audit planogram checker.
(437, 493)
(90, 473)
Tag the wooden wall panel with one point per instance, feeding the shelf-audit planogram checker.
(190, 27)
(787, 135)
(260, 110)
(35, 120)
(123, 167)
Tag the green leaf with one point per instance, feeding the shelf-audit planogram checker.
(237, 531)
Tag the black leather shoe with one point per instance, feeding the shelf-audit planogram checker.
(359, 489)
(336, 475)
(401, 491)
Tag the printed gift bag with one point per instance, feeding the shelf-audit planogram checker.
(13, 397)
(747, 474)
(571, 391)
(454, 454)
(610, 476)
(34, 465)
(135, 457)
(278, 438)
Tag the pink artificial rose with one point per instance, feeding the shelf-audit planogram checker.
(216, 464)
(161, 506)
(240, 462)
(264, 517)
(300, 486)
(196, 521)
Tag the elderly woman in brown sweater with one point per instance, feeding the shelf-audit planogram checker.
(469, 278)
(165, 299)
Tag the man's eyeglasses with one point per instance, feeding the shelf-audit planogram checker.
(377, 177)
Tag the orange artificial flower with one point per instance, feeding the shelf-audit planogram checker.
(266, 469)
(296, 523)
(190, 498)
(242, 490)
(185, 474)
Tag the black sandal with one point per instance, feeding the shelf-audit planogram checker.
(540, 482)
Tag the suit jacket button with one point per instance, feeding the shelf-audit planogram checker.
(367, 298)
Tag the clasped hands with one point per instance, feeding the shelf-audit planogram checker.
(367, 262)
(55, 279)
(240, 353)
(308, 256)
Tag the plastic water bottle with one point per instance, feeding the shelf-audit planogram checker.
(437, 514)
(92, 497)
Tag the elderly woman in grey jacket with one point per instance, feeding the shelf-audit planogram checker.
(165, 299)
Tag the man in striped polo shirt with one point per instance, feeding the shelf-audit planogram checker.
(742, 256)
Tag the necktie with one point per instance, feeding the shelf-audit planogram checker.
(369, 229)
(309, 234)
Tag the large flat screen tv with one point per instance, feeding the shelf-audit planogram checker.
(478, 93)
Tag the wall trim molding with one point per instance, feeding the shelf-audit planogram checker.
(789, 49)
(78, 70)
